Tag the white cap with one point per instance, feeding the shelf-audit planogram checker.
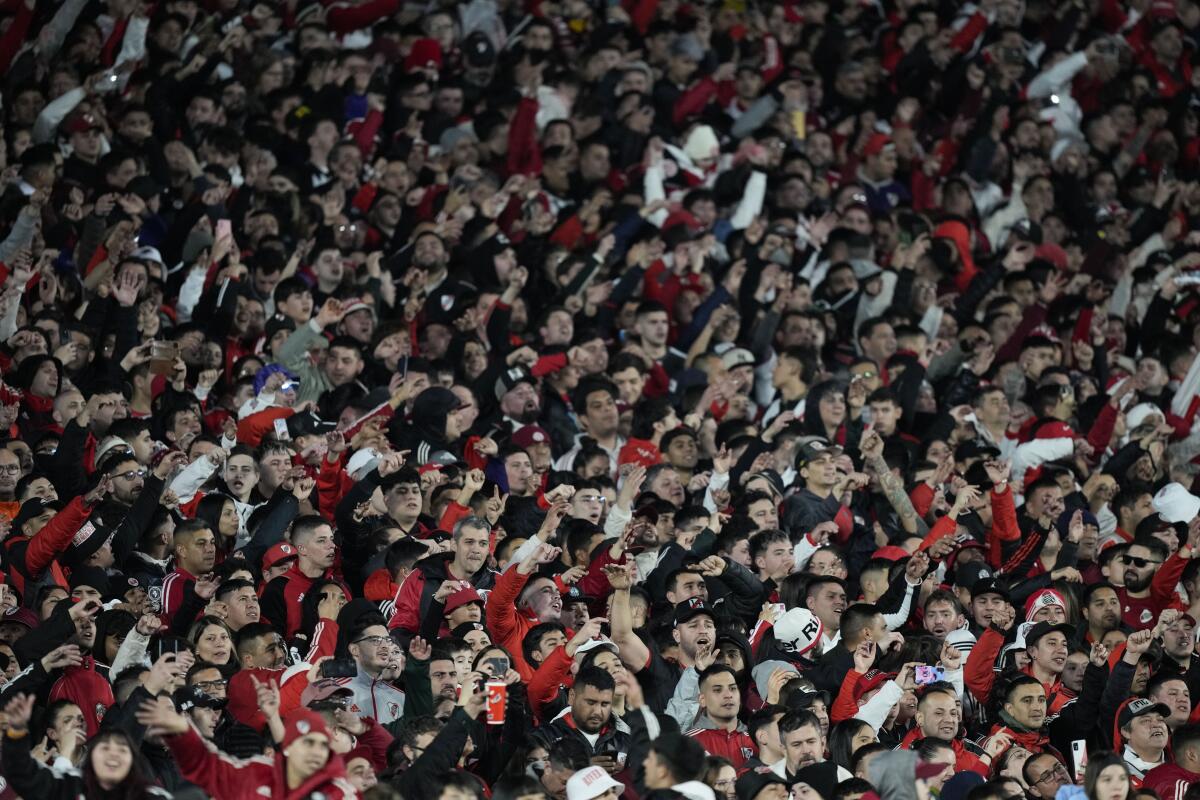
(798, 631)
(147, 254)
(366, 457)
(593, 644)
(590, 783)
(1135, 416)
(1176, 504)
(110, 443)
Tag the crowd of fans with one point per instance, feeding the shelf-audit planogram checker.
(576, 400)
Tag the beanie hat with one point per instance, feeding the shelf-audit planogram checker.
(301, 722)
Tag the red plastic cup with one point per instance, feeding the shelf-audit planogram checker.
(497, 700)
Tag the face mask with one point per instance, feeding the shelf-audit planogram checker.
(780, 256)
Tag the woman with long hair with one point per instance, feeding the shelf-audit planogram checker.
(720, 776)
(213, 641)
(111, 768)
(846, 737)
(219, 511)
(1107, 777)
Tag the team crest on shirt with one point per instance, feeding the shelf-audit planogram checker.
(1146, 616)
(100, 709)
(394, 709)
(747, 752)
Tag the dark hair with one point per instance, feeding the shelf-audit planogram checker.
(533, 639)
(841, 736)
(681, 755)
(595, 677)
(137, 781)
(795, 720)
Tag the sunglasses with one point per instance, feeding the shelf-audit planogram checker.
(1138, 562)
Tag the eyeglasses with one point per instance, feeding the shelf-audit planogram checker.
(378, 641)
(1138, 562)
(12, 469)
(590, 499)
(208, 687)
(1058, 770)
(131, 474)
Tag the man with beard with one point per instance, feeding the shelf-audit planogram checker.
(467, 561)
(1101, 610)
(1142, 724)
(1150, 575)
(803, 742)
(379, 662)
(589, 719)
(430, 257)
(718, 728)
(518, 399)
(939, 715)
(694, 631)
(443, 681)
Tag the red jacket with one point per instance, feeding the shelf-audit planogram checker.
(83, 687)
(1170, 781)
(281, 599)
(253, 778)
(30, 556)
(173, 588)
(737, 746)
(964, 759)
(506, 623)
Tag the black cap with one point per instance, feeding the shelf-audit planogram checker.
(90, 537)
(1139, 707)
(1043, 628)
(814, 448)
(510, 378)
(188, 697)
(31, 508)
(144, 187)
(478, 51)
(308, 423)
(90, 576)
(754, 781)
(971, 572)
(1027, 230)
(278, 323)
(691, 608)
(989, 586)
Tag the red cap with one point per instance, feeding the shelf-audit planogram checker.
(870, 682)
(279, 552)
(424, 53)
(1052, 253)
(462, 598)
(530, 435)
(639, 451)
(1046, 597)
(301, 722)
(928, 769)
(891, 552)
(877, 144)
(82, 123)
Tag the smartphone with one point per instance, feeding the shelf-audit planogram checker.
(926, 675)
(1079, 755)
(338, 668)
(497, 666)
